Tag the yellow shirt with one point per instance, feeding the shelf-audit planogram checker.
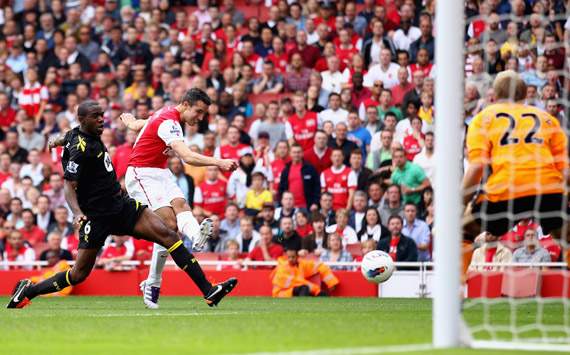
(525, 148)
(426, 115)
(256, 201)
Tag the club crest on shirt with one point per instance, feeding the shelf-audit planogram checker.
(108, 163)
(310, 123)
(72, 167)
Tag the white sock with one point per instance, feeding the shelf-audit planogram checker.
(188, 225)
(159, 256)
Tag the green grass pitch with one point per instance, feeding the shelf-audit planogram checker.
(121, 325)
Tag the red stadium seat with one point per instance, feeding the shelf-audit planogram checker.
(521, 283)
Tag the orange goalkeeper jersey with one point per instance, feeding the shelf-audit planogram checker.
(525, 147)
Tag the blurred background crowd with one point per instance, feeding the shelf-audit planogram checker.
(328, 106)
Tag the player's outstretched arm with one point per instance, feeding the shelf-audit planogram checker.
(131, 122)
(196, 159)
(69, 190)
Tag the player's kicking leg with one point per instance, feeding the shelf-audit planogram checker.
(178, 217)
(150, 227)
(25, 290)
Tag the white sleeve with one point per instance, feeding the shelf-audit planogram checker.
(368, 80)
(253, 130)
(130, 246)
(198, 195)
(170, 131)
(217, 153)
(232, 185)
(352, 180)
(259, 66)
(289, 130)
(323, 181)
(351, 237)
(362, 112)
(44, 94)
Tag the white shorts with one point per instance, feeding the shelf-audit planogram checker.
(153, 187)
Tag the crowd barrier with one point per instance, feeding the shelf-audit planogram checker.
(411, 280)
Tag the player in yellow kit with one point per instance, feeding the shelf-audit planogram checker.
(519, 154)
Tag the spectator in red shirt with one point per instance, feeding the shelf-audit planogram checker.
(7, 113)
(339, 180)
(5, 162)
(302, 225)
(298, 76)
(309, 53)
(302, 125)
(122, 153)
(320, 155)
(120, 249)
(265, 250)
(233, 149)
(301, 179)
(403, 87)
(30, 231)
(17, 250)
(281, 158)
(33, 96)
(210, 195)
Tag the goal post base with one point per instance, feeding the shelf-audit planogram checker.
(519, 345)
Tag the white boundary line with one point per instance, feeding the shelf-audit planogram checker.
(521, 345)
(353, 351)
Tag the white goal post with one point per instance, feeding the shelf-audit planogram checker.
(449, 27)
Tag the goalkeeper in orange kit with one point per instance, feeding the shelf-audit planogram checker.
(518, 165)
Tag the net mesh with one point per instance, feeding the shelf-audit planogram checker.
(509, 300)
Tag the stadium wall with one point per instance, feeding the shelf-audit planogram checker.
(176, 283)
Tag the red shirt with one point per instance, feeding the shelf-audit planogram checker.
(489, 254)
(304, 231)
(338, 185)
(296, 185)
(552, 246)
(121, 159)
(211, 196)
(144, 247)
(7, 117)
(152, 146)
(426, 69)
(275, 251)
(345, 55)
(35, 236)
(279, 61)
(277, 167)
(113, 251)
(399, 91)
(394, 247)
(320, 164)
(232, 152)
(411, 146)
(304, 128)
(31, 97)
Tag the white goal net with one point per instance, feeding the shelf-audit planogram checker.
(517, 278)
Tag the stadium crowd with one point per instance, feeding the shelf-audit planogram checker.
(328, 106)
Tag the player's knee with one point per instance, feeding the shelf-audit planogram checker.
(171, 224)
(180, 205)
(78, 275)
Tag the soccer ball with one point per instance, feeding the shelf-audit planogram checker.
(377, 266)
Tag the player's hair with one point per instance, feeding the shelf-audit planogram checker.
(509, 85)
(86, 108)
(194, 95)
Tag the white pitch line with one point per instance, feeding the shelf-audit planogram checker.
(354, 351)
